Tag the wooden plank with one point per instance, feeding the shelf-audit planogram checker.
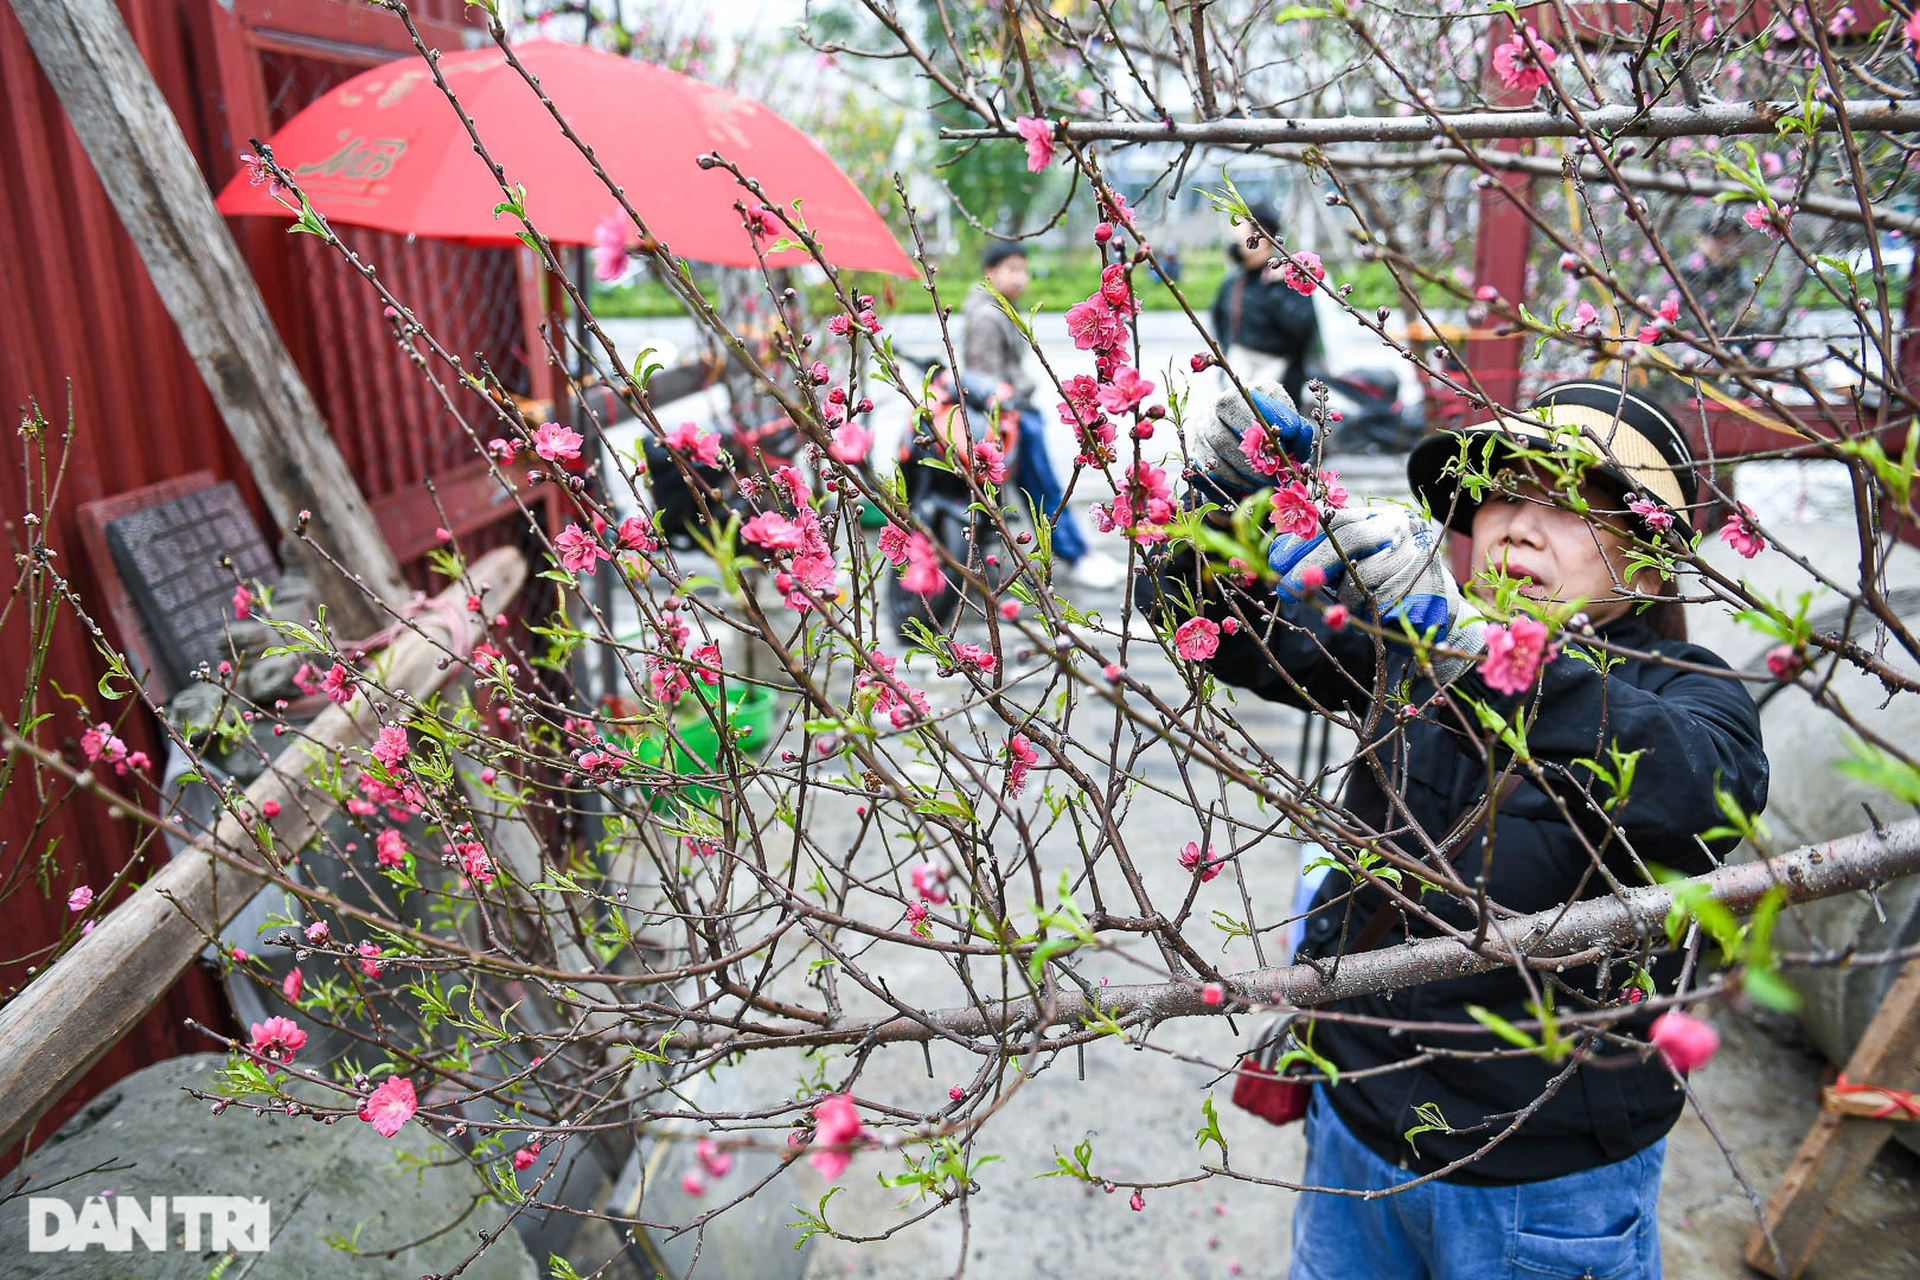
(1837, 1150)
(472, 497)
(1871, 1103)
(76, 1010)
(135, 143)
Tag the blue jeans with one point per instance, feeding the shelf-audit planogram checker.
(1599, 1224)
(1034, 474)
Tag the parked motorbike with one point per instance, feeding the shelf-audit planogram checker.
(1373, 418)
(935, 460)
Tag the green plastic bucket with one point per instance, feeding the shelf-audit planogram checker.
(751, 712)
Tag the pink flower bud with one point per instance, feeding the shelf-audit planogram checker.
(1213, 993)
(1785, 662)
(1683, 1040)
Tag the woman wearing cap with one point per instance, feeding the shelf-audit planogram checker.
(1570, 1189)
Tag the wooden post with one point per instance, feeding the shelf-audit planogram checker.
(1838, 1149)
(80, 1007)
(151, 176)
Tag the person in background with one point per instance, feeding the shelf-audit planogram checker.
(990, 343)
(1265, 327)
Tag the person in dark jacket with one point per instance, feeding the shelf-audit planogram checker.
(1544, 1168)
(1265, 326)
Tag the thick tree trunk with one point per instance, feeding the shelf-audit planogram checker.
(1846, 865)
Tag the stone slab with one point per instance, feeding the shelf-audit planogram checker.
(146, 1136)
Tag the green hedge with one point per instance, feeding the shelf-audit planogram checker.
(1059, 281)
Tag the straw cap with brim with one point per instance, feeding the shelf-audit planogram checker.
(1636, 445)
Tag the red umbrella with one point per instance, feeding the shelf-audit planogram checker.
(386, 150)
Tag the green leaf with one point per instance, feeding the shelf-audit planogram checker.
(1210, 1131)
(1881, 769)
(1431, 1121)
(1502, 1028)
(1765, 987)
(1079, 1167)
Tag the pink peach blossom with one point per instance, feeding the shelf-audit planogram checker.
(1655, 516)
(1514, 654)
(851, 444)
(893, 544)
(277, 1039)
(1305, 272)
(702, 446)
(337, 684)
(391, 747)
(930, 882)
(991, 461)
(1785, 662)
(773, 531)
(1191, 859)
(579, 550)
(836, 1123)
(1125, 391)
(922, 575)
(557, 443)
(610, 248)
(1038, 135)
(389, 1107)
(1522, 62)
(715, 1161)
(1294, 512)
(1021, 757)
(1197, 639)
(1741, 534)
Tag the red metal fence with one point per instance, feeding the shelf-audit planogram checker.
(81, 326)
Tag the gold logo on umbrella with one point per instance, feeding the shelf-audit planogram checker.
(358, 159)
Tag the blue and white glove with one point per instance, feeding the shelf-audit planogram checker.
(1222, 470)
(1398, 574)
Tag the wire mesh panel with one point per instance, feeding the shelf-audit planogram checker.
(393, 427)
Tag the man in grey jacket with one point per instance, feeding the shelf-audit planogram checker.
(990, 343)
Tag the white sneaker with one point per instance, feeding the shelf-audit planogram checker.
(1096, 571)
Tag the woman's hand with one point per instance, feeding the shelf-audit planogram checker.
(1398, 575)
(1222, 470)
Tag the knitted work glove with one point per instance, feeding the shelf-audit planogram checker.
(1222, 470)
(1398, 574)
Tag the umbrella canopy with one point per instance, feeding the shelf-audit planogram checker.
(387, 150)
